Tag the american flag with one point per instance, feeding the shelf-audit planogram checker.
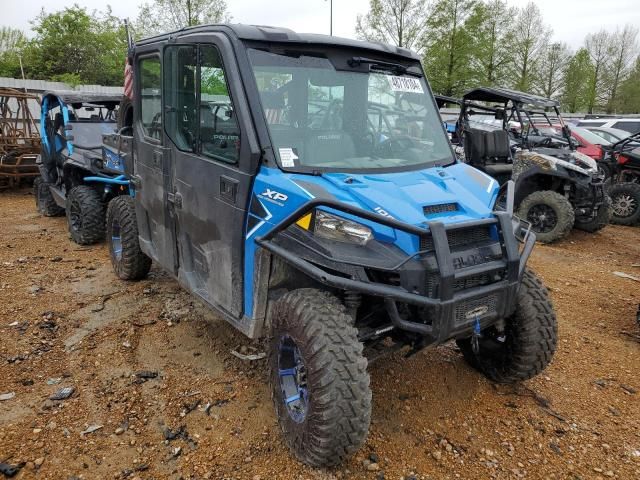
(128, 79)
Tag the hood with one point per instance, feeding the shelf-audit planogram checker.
(452, 194)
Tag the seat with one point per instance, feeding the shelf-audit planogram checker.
(474, 146)
(328, 147)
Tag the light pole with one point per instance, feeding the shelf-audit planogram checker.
(330, 17)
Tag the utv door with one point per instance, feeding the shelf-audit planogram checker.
(152, 166)
(210, 190)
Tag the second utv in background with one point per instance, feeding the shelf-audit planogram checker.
(557, 188)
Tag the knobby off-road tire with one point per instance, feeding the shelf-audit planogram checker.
(558, 218)
(334, 421)
(85, 215)
(45, 203)
(602, 218)
(127, 259)
(625, 199)
(529, 340)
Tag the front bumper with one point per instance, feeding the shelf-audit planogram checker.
(453, 311)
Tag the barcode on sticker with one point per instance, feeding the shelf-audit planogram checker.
(405, 84)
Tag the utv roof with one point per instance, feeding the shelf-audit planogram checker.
(70, 97)
(260, 33)
(442, 100)
(488, 94)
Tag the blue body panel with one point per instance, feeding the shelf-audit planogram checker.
(402, 196)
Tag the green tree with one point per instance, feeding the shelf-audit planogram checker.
(623, 48)
(552, 63)
(76, 46)
(494, 38)
(398, 22)
(160, 16)
(629, 97)
(575, 91)
(12, 43)
(450, 45)
(599, 46)
(531, 35)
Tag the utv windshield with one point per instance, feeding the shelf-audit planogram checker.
(344, 120)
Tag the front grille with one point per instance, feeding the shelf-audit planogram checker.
(432, 282)
(445, 207)
(484, 306)
(459, 237)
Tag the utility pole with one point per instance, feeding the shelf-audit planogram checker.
(330, 17)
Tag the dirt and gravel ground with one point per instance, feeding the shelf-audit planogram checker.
(66, 321)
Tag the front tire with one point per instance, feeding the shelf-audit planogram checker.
(551, 215)
(45, 203)
(319, 380)
(85, 215)
(528, 342)
(625, 198)
(601, 219)
(127, 259)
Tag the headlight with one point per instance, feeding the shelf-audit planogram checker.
(340, 229)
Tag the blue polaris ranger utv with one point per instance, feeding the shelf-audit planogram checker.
(303, 187)
(78, 173)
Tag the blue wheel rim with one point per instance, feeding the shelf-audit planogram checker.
(116, 240)
(293, 379)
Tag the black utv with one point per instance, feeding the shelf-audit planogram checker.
(77, 175)
(517, 136)
(622, 160)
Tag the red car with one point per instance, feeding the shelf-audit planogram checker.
(588, 142)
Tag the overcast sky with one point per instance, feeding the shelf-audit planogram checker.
(571, 20)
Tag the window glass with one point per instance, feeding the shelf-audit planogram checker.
(320, 117)
(632, 127)
(219, 133)
(150, 97)
(181, 96)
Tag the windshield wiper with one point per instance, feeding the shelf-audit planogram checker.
(377, 64)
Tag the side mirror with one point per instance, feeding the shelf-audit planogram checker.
(228, 113)
(69, 138)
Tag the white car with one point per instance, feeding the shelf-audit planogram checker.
(631, 125)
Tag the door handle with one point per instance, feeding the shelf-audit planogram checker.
(175, 199)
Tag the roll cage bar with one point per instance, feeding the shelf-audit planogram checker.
(520, 106)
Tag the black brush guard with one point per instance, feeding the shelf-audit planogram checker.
(453, 313)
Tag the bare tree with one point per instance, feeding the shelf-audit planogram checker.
(398, 22)
(10, 39)
(531, 35)
(624, 46)
(160, 16)
(551, 69)
(599, 46)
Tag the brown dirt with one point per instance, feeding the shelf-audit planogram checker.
(433, 416)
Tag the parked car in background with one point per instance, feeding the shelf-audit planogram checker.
(631, 125)
(612, 135)
(586, 142)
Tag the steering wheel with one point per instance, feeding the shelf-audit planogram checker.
(393, 146)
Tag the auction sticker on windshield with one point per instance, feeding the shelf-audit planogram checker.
(405, 84)
(287, 157)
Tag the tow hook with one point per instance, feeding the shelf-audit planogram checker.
(475, 337)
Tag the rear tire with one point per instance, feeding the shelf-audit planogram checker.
(127, 259)
(330, 418)
(45, 203)
(601, 219)
(625, 199)
(530, 338)
(85, 215)
(551, 215)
